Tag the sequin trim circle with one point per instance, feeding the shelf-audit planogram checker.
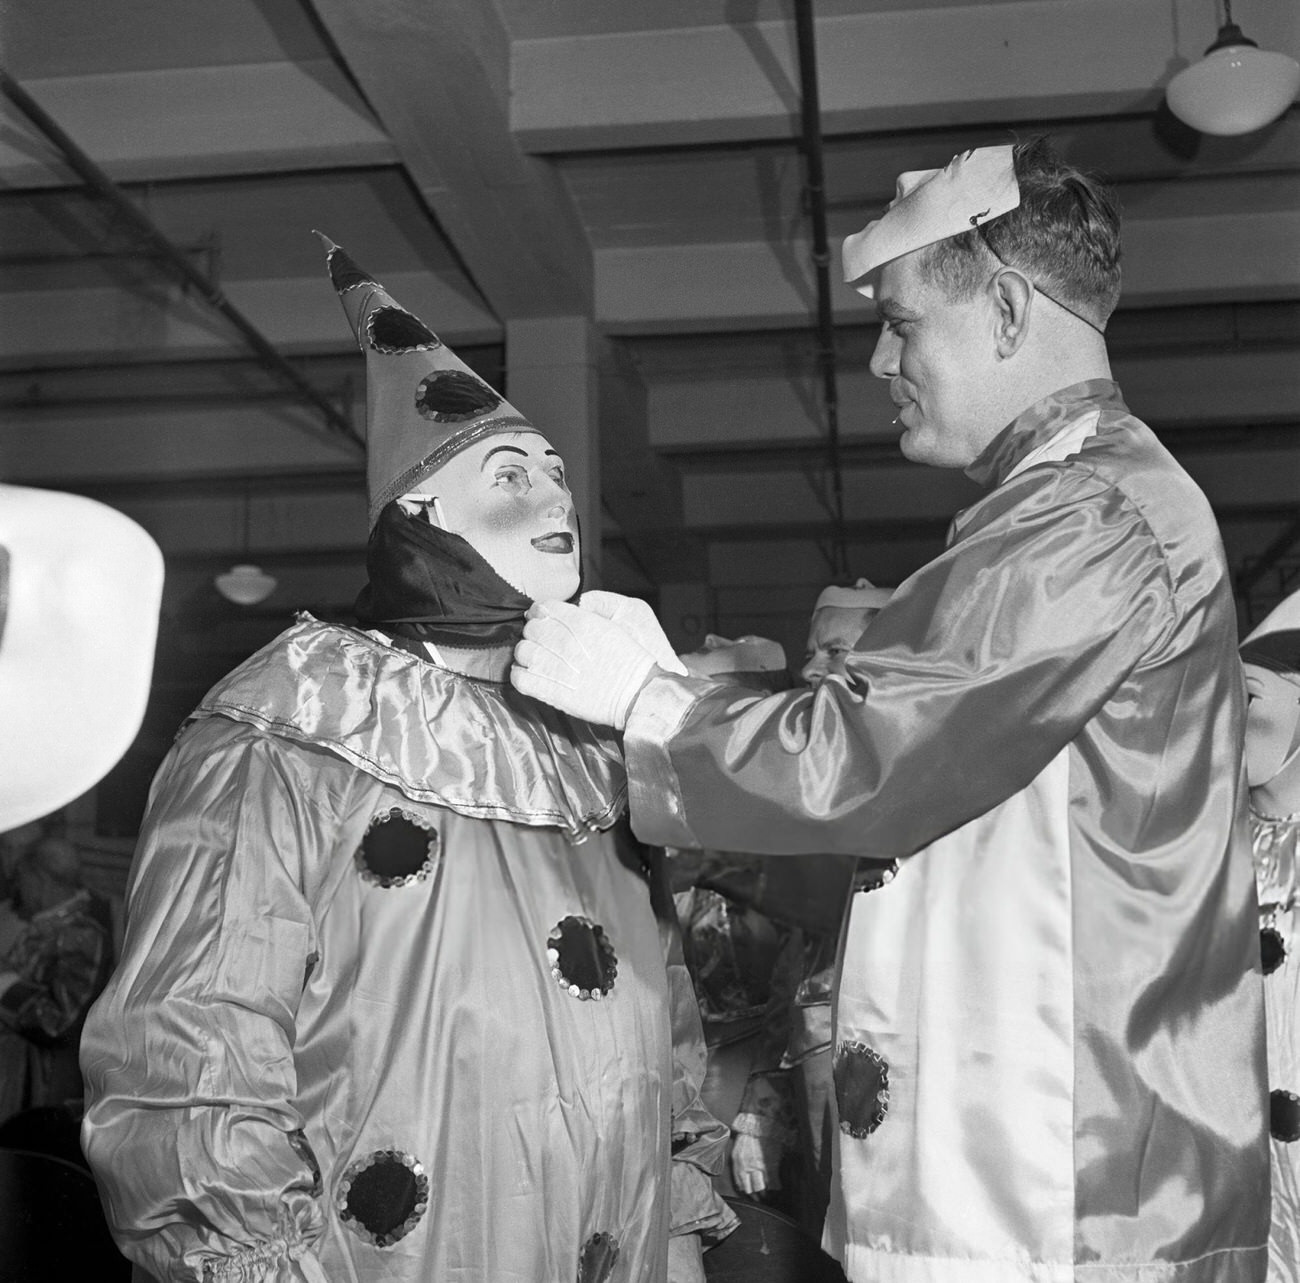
(411, 333)
(565, 968)
(358, 1169)
(859, 1097)
(599, 1256)
(407, 879)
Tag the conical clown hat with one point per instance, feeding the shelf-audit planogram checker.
(423, 403)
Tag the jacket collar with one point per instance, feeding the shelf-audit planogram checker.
(1038, 425)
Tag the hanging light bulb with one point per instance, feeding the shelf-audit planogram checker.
(1236, 88)
(245, 584)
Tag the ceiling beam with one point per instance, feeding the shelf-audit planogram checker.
(438, 77)
(171, 260)
(903, 67)
(758, 284)
(196, 122)
(157, 320)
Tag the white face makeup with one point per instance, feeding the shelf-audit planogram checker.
(1272, 723)
(507, 497)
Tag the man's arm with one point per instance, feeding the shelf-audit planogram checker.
(983, 666)
(188, 1055)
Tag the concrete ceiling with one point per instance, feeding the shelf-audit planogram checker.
(638, 165)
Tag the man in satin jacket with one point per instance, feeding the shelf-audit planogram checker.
(1049, 1053)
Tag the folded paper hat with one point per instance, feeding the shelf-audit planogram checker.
(80, 586)
(931, 205)
(862, 596)
(1275, 643)
(423, 403)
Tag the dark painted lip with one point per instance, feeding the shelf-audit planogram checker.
(559, 542)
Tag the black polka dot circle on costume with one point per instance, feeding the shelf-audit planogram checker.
(861, 1088)
(393, 330)
(1284, 1116)
(599, 1253)
(454, 396)
(1272, 949)
(398, 848)
(382, 1197)
(581, 957)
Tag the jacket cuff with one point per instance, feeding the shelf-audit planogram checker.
(654, 792)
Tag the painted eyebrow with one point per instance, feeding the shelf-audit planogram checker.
(514, 449)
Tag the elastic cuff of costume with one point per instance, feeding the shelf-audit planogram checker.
(262, 1261)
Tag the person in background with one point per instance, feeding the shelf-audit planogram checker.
(56, 964)
(746, 661)
(744, 948)
(1049, 1059)
(394, 1002)
(1271, 656)
(771, 928)
(840, 617)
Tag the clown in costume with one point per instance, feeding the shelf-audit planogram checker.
(1271, 655)
(394, 1001)
(1049, 1060)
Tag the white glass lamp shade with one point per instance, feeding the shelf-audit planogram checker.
(245, 585)
(1235, 89)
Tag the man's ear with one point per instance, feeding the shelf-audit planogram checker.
(1013, 298)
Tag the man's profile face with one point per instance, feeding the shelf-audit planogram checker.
(831, 637)
(938, 358)
(507, 497)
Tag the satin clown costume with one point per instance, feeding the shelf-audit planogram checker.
(394, 1002)
(1271, 655)
(1049, 1048)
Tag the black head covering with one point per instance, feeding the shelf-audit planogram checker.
(429, 585)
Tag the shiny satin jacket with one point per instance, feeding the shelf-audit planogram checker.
(1276, 845)
(393, 1003)
(1049, 1050)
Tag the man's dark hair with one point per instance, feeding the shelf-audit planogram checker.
(1064, 235)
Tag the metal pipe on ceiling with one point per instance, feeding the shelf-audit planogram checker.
(163, 249)
(815, 195)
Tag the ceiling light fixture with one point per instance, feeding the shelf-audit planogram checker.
(245, 584)
(1236, 88)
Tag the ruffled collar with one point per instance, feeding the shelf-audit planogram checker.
(476, 747)
(1039, 424)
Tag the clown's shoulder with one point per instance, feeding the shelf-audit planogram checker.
(470, 745)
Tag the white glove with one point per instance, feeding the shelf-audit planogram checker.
(636, 616)
(580, 662)
(756, 1163)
